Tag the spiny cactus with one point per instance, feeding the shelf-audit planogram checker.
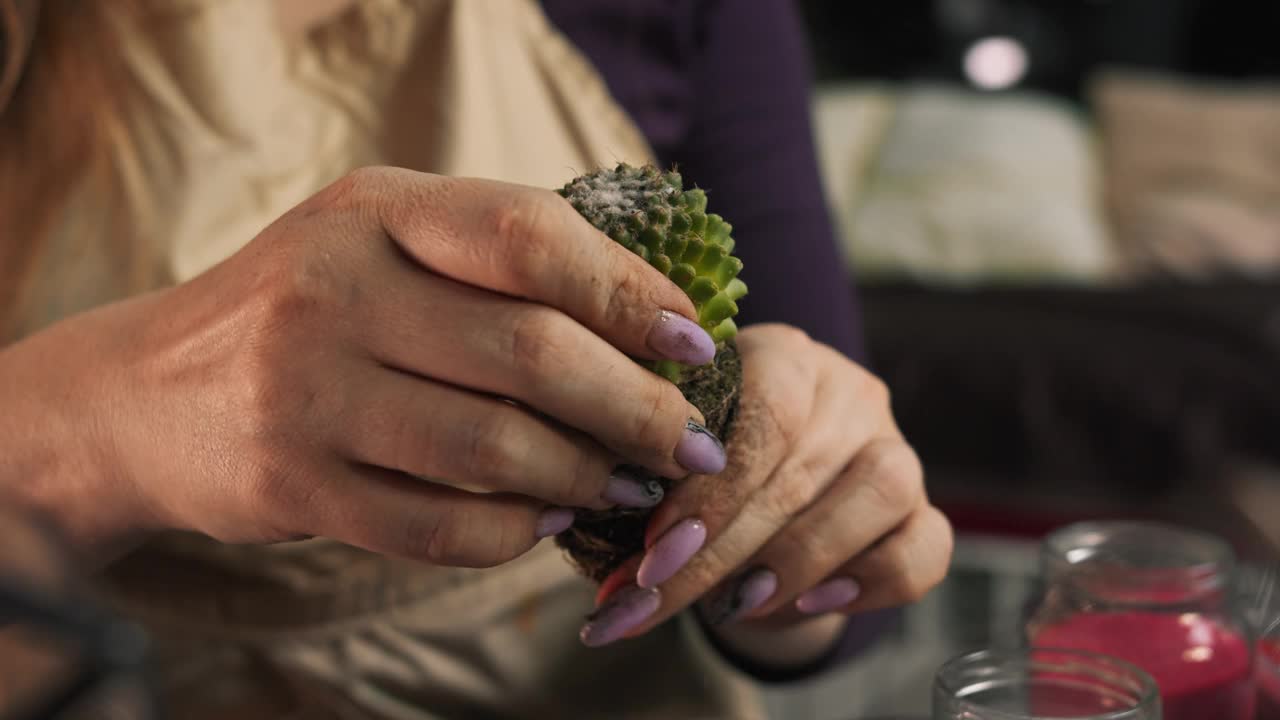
(651, 214)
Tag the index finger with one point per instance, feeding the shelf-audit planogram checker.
(530, 243)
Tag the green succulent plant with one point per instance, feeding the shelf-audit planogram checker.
(650, 213)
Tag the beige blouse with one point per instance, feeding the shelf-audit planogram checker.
(243, 116)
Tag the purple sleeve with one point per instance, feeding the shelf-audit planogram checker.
(723, 89)
(750, 144)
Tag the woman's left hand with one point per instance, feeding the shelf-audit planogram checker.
(822, 508)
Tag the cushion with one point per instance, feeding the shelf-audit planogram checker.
(969, 187)
(1193, 173)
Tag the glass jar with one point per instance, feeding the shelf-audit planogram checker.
(1269, 674)
(1159, 597)
(1043, 684)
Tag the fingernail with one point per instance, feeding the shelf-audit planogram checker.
(671, 552)
(750, 591)
(828, 596)
(676, 337)
(627, 608)
(627, 489)
(553, 521)
(699, 451)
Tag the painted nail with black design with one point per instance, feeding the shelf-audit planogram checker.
(699, 450)
(748, 592)
(628, 489)
(626, 610)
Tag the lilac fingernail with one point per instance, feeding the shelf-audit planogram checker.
(671, 552)
(827, 596)
(676, 337)
(553, 521)
(628, 607)
(699, 451)
(750, 591)
(628, 489)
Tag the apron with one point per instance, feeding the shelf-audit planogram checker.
(238, 120)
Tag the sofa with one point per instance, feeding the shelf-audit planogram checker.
(1073, 303)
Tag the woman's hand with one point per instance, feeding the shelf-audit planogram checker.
(395, 327)
(822, 508)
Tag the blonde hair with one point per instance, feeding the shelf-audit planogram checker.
(55, 135)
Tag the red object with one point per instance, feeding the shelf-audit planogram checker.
(1203, 669)
(1269, 680)
(1026, 523)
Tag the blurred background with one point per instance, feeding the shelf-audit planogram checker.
(1064, 217)
(1064, 220)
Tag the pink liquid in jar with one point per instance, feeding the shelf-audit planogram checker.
(1269, 679)
(1202, 668)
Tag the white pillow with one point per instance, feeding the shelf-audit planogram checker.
(971, 187)
(850, 121)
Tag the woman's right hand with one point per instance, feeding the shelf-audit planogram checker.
(394, 327)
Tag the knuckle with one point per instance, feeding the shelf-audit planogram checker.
(786, 403)
(628, 294)
(513, 540)
(781, 336)
(708, 567)
(354, 189)
(293, 290)
(911, 585)
(405, 204)
(437, 538)
(879, 391)
(659, 418)
(492, 448)
(717, 504)
(795, 542)
(519, 223)
(917, 564)
(907, 590)
(457, 538)
(792, 336)
(873, 389)
(540, 345)
(894, 476)
(339, 193)
(818, 555)
(407, 450)
(911, 582)
(586, 480)
(770, 419)
(794, 489)
(413, 535)
(941, 546)
(360, 181)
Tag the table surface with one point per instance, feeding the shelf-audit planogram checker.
(980, 604)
